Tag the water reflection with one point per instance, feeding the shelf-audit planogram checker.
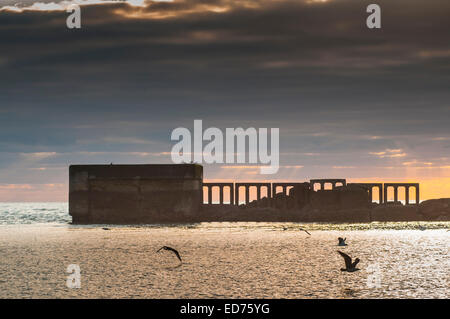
(227, 260)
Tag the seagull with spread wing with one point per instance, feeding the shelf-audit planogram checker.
(172, 250)
(342, 241)
(304, 231)
(349, 265)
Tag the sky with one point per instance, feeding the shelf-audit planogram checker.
(350, 102)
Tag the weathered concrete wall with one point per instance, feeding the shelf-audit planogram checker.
(435, 209)
(396, 213)
(134, 193)
(344, 197)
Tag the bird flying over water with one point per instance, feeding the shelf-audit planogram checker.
(170, 249)
(342, 241)
(349, 266)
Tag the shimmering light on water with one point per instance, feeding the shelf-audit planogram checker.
(247, 260)
(34, 213)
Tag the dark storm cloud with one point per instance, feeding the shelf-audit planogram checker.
(132, 74)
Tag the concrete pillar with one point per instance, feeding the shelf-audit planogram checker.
(322, 186)
(370, 195)
(236, 195)
(247, 194)
(406, 195)
(395, 193)
(209, 194)
(333, 185)
(231, 195)
(380, 194)
(385, 194)
(258, 192)
(285, 190)
(417, 195)
(221, 195)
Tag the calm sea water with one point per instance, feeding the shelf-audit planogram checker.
(220, 260)
(34, 213)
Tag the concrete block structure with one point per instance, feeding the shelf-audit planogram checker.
(175, 193)
(134, 193)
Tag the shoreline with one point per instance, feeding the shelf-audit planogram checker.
(250, 225)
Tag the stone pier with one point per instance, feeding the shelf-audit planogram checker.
(140, 194)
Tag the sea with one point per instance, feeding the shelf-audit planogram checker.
(44, 256)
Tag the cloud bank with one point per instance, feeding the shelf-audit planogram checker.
(343, 96)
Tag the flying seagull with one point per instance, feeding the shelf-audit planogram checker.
(342, 241)
(170, 249)
(349, 266)
(305, 231)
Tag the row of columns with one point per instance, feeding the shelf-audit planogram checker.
(221, 187)
(247, 186)
(234, 191)
(235, 188)
(272, 187)
(322, 183)
(383, 191)
(407, 186)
